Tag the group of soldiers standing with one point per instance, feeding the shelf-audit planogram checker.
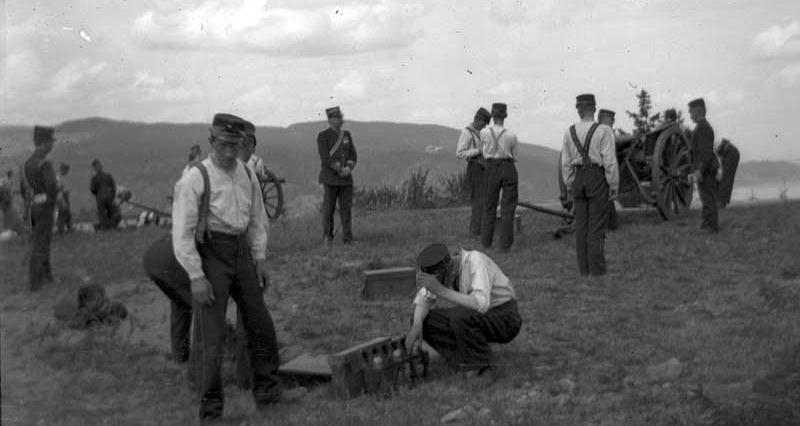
(588, 175)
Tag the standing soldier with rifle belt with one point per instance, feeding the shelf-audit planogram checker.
(338, 158)
(469, 148)
(39, 188)
(589, 167)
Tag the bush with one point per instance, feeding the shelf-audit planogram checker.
(415, 192)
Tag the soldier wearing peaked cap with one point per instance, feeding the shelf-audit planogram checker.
(485, 308)
(39, 188)
(469, 148)
(500, 154)
(338, 157)
(589, 167)
(223, 251)
(607, 117)
(249, 156)
(705, 164)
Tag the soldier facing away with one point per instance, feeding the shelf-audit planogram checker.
(337, 155)
(104, 190)
(589, 167)
(469, 148)
(39, 188)
(607, 117)
(500, 154)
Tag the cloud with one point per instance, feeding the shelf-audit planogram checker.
(70, 78)
(791, 75)
(254, 26)
(505, 88)
(352, 86)
(21, 71)
(779, 41)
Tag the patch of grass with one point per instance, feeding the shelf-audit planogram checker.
(726, 306)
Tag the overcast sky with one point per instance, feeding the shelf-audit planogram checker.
(285, 61)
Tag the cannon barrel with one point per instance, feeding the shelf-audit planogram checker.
(147, 208)
(553, 212)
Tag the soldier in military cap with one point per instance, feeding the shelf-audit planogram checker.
(337, 155)
(104, 189)
(224, 254)
(705, 164)
(39, 187)
(484, 308)
(589, 167)
(249, 156)
(500, 154)
(469, 148)
(607, 117)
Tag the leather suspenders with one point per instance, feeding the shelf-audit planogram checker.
(583, 150)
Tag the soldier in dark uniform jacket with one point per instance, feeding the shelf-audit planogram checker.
(338, 158)
(705, 164)
(729, 157)
(39, 188)
(104, 189)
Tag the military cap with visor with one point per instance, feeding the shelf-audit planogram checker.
(499, 110)
(333, 112)
(482, 114)
(699, 102)
(228, 128)
(606, 112)
(43, 134)
(250, 131)
(586, 99)
(432, 258)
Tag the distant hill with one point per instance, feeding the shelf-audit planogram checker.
(148, 157)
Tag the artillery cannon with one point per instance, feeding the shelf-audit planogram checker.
(654, 170)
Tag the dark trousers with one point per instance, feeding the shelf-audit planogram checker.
(708, 196)
(462, 335)
(501, 176)
(477, 189)
(42, 227)
(344, 194)
(64, 222)
(230, 269)
(590, 192)
(613, 218)
(107, 212)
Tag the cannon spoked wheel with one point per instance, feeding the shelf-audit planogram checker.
(671, 166)
(272, 191)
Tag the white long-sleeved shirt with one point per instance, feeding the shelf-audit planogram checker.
(602, 150)
(257, 165)
(236, 207)
(498, 144)
(478, 277)
(469, 143)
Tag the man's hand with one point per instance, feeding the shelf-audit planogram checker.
(202, 291)
(262, 274)
(430, 282)
(613, 194)
(413, 338)
(337, 166)
(567, 205)
(345, 171)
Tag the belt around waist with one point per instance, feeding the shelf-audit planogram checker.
(590, 166)
(225, 236)
(498, 160)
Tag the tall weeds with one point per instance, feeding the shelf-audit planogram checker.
(416, 191)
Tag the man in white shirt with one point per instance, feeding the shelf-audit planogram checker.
(227, 258)
(500, 154)
(589, 167)
(607, 117)
(469, 148)
(483, 308)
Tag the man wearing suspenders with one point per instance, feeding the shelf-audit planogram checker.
(39, 188)
(469, 148)
(589, 167)
(227, 258)
(338, 158)
(500, 153)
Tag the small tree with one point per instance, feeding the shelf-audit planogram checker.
(643, 122)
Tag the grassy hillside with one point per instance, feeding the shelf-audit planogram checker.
(147, 158)
(686, 329)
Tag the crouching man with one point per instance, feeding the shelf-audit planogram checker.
(482, 308)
